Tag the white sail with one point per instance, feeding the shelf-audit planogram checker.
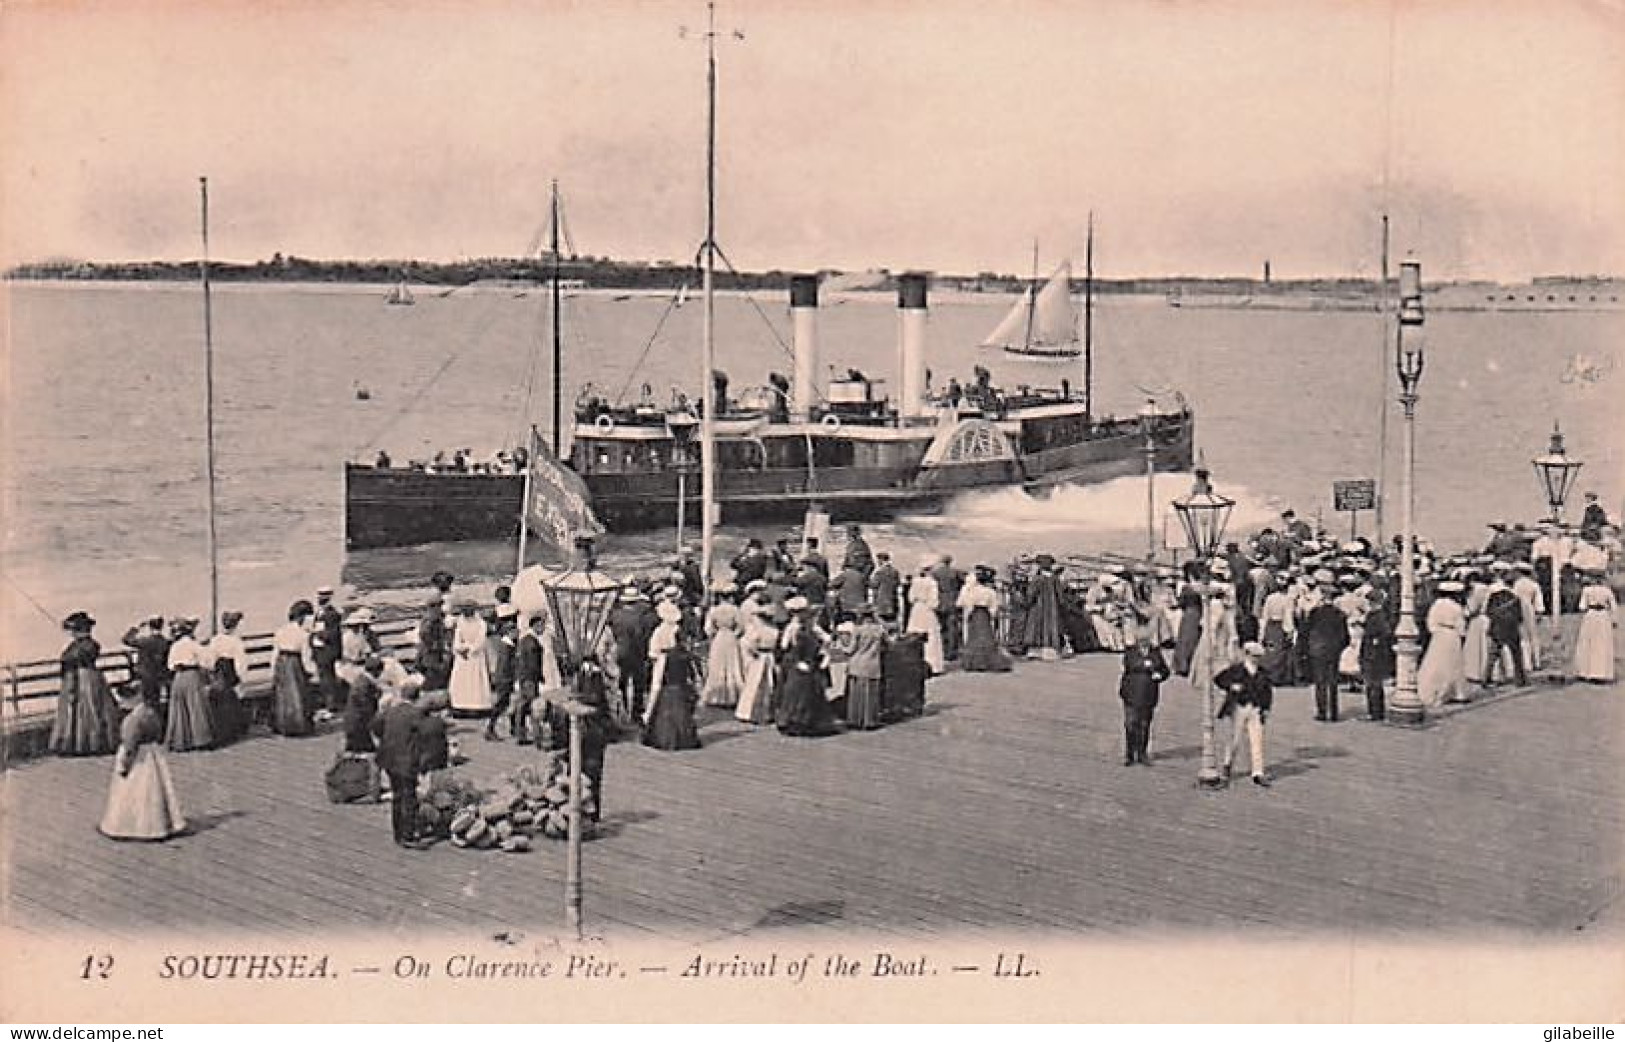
(1047, 325)
(1012, 331)
(1055, 324)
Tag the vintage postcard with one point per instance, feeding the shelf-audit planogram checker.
(803, 511)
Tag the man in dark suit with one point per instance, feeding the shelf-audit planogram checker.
(883, 585)
(950, 581)
(1377, 661)
(527, 671)
(1248, 696)
(1144, 670)
(1327, 635)
(814, 558)
(151, 660)
(632, 623)
(751, 564)
(858, 554)
(1505, 612)
(399, 730)
(326, 647)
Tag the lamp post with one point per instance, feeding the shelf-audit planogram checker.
(580, 598)
(1409, 357)
(1148, 419)
(1557, 473)
(1204, 513)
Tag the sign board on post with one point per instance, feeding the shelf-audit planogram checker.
(1359, 494)
(1354, 496)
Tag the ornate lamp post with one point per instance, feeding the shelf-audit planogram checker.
(580, 598)
(1148, 419)
(1410, 347)
(1557, 473)
(1204, 513)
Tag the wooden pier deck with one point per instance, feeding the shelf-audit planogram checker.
(1005, 808)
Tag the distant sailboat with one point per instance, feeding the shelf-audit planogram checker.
(1041, 326)
(400, 294)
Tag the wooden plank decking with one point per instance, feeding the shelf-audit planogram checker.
(1005, 808)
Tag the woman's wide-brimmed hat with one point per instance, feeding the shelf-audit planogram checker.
(79, 620)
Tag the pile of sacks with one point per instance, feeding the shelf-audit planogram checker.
(533, 799)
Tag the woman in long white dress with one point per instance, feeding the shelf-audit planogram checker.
(759, 639)
(1594, 644)
(1440, 677)
(1218, 648)
(725, 663)
(1475, 647)
(470, 672)
(923, 597)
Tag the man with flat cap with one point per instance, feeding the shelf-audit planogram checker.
(1248, 696)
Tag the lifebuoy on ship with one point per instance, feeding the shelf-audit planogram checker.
(832, 421)
(605, 422)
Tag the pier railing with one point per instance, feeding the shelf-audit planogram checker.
(28, 705)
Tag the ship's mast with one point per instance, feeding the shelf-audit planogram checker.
(1089, 319)
(1032, 302)
(708, 434)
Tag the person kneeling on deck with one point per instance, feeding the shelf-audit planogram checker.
(1248, 696)
(1144, 670)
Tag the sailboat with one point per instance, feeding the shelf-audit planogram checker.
(1042, 324)
(400, 294)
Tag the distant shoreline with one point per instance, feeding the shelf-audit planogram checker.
(598, 274)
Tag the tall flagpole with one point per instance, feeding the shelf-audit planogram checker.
(1382, 364)
(708, 433)
(208, 410)
(558, 353)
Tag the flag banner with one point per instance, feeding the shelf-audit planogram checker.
(558, 510)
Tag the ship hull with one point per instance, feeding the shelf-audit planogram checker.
(402, 508)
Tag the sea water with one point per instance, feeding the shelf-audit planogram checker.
(104, 448)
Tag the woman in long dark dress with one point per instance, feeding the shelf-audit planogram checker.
(978, 600)
(864, 672)
(1044, 638)
(291, 706)
(191, 726)
(228, 658)
(671, 723)
(87, 721)
(1190, 626)
(803, 711)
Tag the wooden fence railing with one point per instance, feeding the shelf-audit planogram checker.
(31, 688)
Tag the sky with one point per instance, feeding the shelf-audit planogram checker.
(1206, 137)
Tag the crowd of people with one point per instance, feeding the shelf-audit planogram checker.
(797, 642)
(462, 461)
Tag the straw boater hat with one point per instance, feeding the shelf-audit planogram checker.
(506, 611)
(631, 594)
(796, 604)
(1252, 647)
(1451, 586)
